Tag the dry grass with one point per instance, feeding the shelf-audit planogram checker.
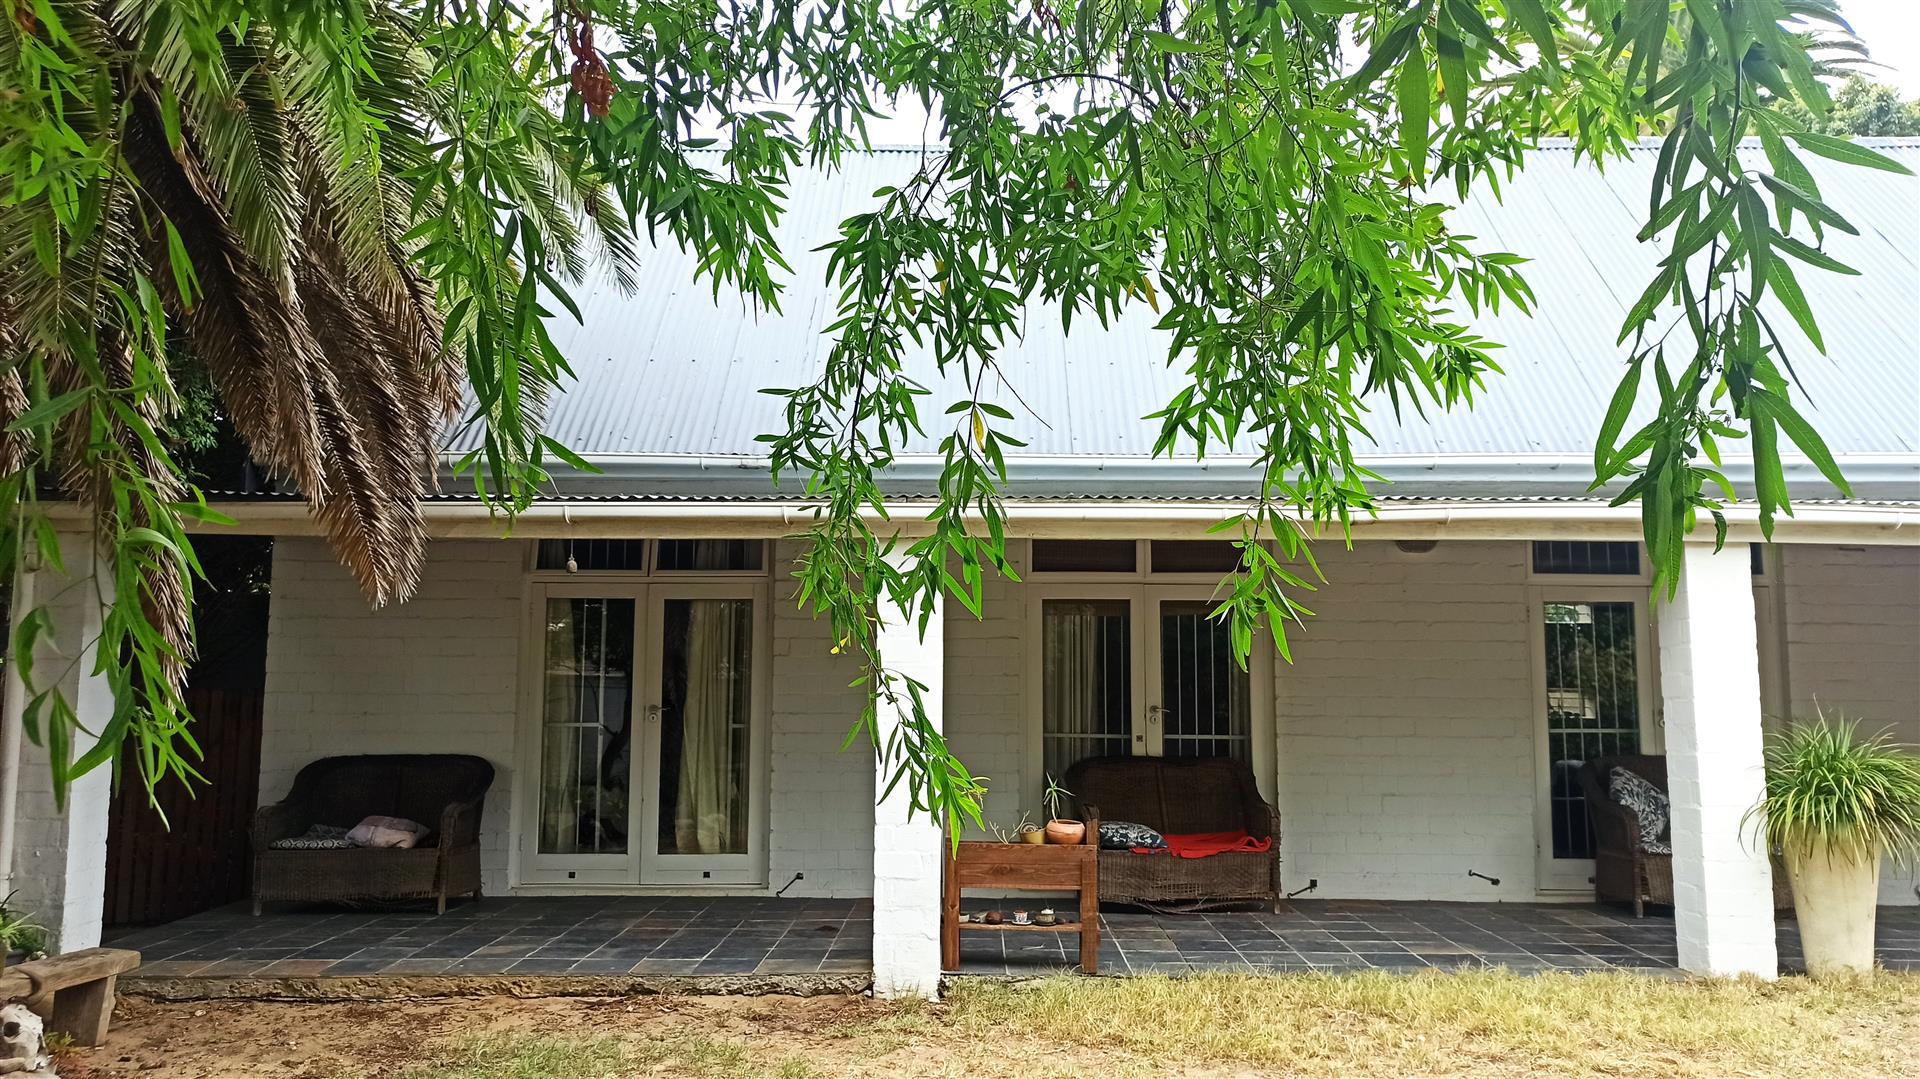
(1215, 1026)
(1473, 1023)
(602, 1057)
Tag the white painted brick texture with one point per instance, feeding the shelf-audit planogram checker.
(1710, 682)
(1853, 645)
(1405, 741)
(436, 674)
(906, 844)
(60, 854)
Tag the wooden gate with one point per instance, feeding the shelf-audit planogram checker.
(196, 859)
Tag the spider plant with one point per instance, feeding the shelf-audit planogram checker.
(1831, 788)
(1053, 798)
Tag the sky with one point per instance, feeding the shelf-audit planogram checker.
(1891, 29)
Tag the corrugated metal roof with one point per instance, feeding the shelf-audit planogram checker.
(671, 371)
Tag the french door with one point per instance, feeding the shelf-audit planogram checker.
(1144, 671)
(647, 735)
(1595, 695)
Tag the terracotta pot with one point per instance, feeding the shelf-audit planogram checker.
(1833, 900)
(1066, 833)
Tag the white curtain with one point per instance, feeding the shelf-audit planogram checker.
(560, 749)
(706, 807)
(1074, 690)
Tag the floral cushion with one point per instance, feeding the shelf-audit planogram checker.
(1649, 805)
(318, 837)
(1124, 835)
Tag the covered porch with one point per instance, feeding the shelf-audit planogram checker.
(769, 944)
(1415, 748)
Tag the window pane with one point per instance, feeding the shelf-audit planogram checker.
(1582, 556)
(1086, 682)
(1084, 556)
(1205, 696)
(1593, 706)
(706, 677)
(1194, 556)
(591, 555)
(586, 750)
(710, 555)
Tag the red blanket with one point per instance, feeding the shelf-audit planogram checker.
(1207, 844)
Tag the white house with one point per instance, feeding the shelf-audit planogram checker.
(1492, 626)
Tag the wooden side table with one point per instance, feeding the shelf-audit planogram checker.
(1022, 867)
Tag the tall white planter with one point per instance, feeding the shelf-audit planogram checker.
(1833, 897)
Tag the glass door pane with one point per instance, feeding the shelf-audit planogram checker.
(1086, 701)
(705, 721)
(1205, 706)
(586, 726)
(1593, 706)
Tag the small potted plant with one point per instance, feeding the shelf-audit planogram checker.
(1059, 829)
(1837, 803)
(20, 936)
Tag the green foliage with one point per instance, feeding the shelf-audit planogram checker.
(360, 209)
(19, 932)
(1832, 789)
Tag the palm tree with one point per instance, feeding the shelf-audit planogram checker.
(249, 195)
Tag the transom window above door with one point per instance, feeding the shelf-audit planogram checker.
(666, 556)
(1143, 558)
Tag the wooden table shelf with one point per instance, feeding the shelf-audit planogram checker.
(1022, 867)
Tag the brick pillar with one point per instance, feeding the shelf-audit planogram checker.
(1710, 682)
(906, 848)
(59, 871)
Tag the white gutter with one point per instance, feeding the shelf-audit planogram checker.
(1085, 519)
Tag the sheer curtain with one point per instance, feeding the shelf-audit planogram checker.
(1079, 696)
(560, 750)
(708, 804)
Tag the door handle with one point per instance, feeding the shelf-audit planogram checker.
(653, 713)
(1154, 712)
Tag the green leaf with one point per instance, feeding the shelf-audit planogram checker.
(1847, 152)
(1533, 18)
(1786, 288)
(47, 412)
(1414, 96)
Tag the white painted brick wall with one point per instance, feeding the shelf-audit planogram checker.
(1405, 726)
(436, 674)
(439, 672)
(822, 798)
(1853, 645)
(988, 724)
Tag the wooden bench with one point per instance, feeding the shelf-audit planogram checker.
(72, 992)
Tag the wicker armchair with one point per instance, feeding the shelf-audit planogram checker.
(1622, 872)
(441, 791)
(1181, 795)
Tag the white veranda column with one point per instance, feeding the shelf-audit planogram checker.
(906, 850)
(59, 869)
(1710, 682)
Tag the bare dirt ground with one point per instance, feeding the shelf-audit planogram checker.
(1477, 1024)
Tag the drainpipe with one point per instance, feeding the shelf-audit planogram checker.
(12, 725)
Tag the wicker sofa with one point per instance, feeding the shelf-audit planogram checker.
(1181, 795)
(442, 791)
